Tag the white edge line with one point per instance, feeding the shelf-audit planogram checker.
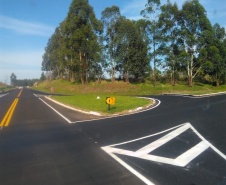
(148, 135)
(72, 108)
(213, 147)
(4, 95)
(154, 100)
(136, 173)
(55, 110)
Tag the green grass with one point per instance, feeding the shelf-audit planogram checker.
(91, 103)
(84, 96)
(4, 88)
(120, 88)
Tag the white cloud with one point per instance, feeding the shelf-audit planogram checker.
(23, 27)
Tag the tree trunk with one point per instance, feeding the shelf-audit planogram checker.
(173, 71)
(61, 75)
(126, 76)
(81, 67)
(68, 73)
(173, 76)
(188, 71)
(217, 81)
(191, 69)
(72, 77)
(86, 70)
(154, 61)
(112, 72)
(72, 72)
(190, 81)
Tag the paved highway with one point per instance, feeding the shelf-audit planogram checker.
(181, 141)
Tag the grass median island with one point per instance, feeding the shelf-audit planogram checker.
(90, 102)
(85, 96)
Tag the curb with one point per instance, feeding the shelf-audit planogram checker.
(137, 110)
(72, 108)
(201, 95)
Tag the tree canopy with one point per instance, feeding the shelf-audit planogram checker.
(179, 43)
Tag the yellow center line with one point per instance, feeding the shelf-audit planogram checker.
(8, 112)
(8, 116)
(19, 93)
(11, 113)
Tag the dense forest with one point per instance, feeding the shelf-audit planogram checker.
(168, 42)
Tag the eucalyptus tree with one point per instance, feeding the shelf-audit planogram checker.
(109, 17)
(48, 62)
(151, 13)
(142, 27)
(193, 21)
(131, 49)
(52, 58)
(170, 41)
(217, 54)
(81, 29)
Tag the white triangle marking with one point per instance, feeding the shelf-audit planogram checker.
(143, 153)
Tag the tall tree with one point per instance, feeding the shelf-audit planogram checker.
(170, 37)
(109, 17)
(216, 55)
(81, 27)
(43, 77)
(131, 49)
(53, 58)
(13, 79)
(193, 22)
(151, 12)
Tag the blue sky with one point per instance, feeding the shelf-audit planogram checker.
(26, 26)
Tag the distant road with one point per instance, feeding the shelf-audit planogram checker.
(182, 141)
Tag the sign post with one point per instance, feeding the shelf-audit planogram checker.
(110, 101)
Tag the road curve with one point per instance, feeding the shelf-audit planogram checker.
(175, 143)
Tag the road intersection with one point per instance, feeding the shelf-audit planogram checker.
(181, 141)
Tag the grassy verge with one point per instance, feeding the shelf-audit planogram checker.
(85, 96)
(5, 89)
(120, 88)
(91, 103)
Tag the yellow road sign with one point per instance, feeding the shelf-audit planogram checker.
(110, 101)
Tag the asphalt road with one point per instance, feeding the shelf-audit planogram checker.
(181, 141)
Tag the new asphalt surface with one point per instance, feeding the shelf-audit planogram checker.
(181, 141)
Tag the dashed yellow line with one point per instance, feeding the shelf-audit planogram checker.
(8, 116)
(19, 93)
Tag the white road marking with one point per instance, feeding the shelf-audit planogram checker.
(128, 167)
(191, 154)
(156, 144)
(66, 106)
(148, 136)
(56, 111)
(1, 95)
(207, 142)
(144, 152)
(154, 100)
